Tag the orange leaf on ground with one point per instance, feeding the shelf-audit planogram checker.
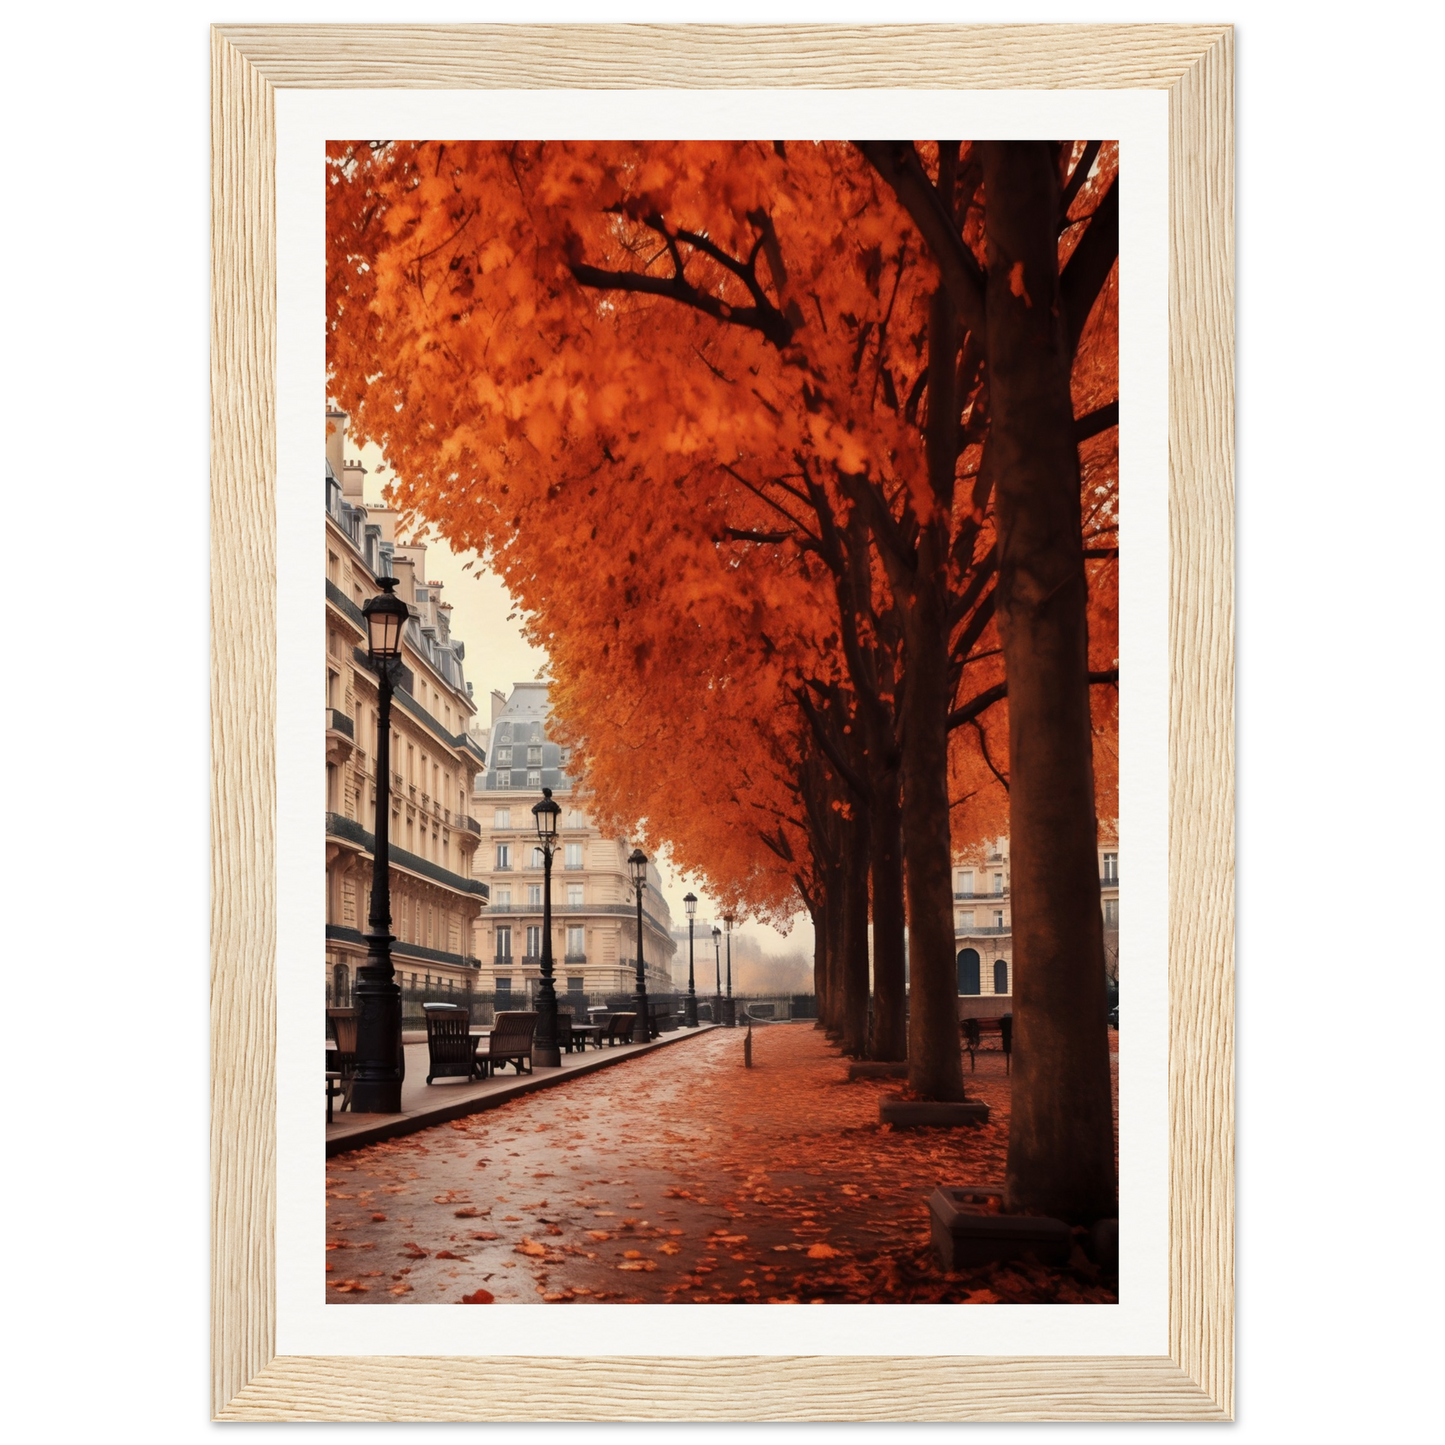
(481, 1297)
(530, 1246)
(821, 1251)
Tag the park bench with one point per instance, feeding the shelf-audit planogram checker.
(566, 1039)
(451, 1049)
(510, 1042)
(619, 1030)
(342, 1059)
(973, 1031)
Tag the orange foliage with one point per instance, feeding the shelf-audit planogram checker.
(635, 377)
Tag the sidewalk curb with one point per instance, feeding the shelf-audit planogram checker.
(396, 1125)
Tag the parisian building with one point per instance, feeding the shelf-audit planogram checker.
(435, 899)
(594, 913)
(983, 918)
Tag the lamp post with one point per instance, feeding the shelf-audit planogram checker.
(637, 867)
(376, 1088)
(730, 1017)
(717, 967)
(545, 1050)
(689, 1016)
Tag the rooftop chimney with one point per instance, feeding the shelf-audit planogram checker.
(335, 438)
(351, 481)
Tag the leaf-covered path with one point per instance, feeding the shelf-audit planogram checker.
(682, 1176)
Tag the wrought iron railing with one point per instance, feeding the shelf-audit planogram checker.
(340, 722)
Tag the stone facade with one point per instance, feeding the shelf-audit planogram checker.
(594, 914)
(435, 900)
(983, 918)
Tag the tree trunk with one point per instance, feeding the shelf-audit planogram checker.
(1061, 1144)
(854, 991)
(934, 1057)
(833, 906)
(819, 916)
(889, 1038)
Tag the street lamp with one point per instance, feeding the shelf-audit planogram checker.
(730, 1017)
(717, 967)
(689, 1016)
(376, 1087)
(545, 1051)
(637, 867)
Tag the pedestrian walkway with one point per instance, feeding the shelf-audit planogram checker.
(680, 1175)
(424, 1105)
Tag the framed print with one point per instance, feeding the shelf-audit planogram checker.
(862, 511)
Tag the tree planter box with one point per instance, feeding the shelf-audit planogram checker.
(876, 1069)
(965, 1236)
(927, 1113)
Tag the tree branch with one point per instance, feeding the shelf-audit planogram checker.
(898, 164)
(1089, 266)
(986, 699)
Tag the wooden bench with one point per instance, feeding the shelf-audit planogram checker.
(451, 1049)
(619, 1030)
(342, 1059)
(973, 1031)
(510, 1042)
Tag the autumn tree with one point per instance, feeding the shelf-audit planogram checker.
(819, 346)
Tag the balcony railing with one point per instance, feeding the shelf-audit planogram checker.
(997, 893)
(470, 824)
(575, 958)
(1109, 882)
(339, 826)
(974, 932)
(338, 721)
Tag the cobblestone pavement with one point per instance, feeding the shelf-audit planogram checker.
(679, 1175)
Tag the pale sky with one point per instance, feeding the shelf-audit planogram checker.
(498, 656)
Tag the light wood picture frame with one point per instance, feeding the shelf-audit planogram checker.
(1195, 1380)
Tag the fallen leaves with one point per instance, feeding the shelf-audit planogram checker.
(822, 1251)
(530, 1246)
(479, 1297)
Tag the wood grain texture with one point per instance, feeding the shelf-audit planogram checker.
(250, 1382)
(243, 721)
(600, 57)
(1201, 722)
(762, 1388)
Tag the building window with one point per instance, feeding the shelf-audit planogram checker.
(998, 918)
(534, 895)
(573, 855)
(504, 942)
(1111, 867)
(534, 778)
(341, 985)
(576, 819)
(504, 856)
(998, 882)
(964, 887)
(534, 941)
(504, 780)
(576, 942)
(1000, 975)
(534, 757)
(576, 987)
(502, 818)
(536, 858)
(968, 972)
(965, 922)
(574, 895)
(504, 898)
(1111, 912)
(504, 993)
(504, 757)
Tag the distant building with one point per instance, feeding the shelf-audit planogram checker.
(983, 918)
(593, 910)
(434, 899)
